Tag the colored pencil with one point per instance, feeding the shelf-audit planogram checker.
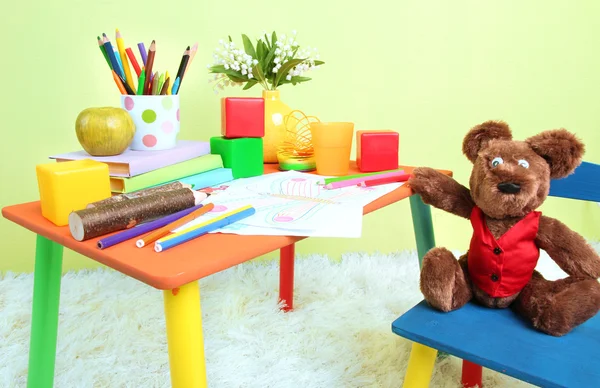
(386, 180)
(111, 54)
(184, 61)
(192, 55)
(175, 88)
(150, 63)
(101, 45)
(145, 228)
(128, 88)
(133, 61)
(119, 83)
(170, 84)
(165, 87)
(141, 82)
(161, 81)
(149, 90)
(204, 228)
(142, 52)
(121, 47)
(154, 87)
(355, 181)
(166, 229)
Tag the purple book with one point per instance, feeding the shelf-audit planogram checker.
(131, 163)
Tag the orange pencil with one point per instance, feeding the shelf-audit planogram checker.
(119, 83)
(161, 232)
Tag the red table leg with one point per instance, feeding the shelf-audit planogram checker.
(286, 277)
(471, 375)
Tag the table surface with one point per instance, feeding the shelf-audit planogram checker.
(184, 263)
(500, 340)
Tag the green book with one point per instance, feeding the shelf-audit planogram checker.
(166, 174)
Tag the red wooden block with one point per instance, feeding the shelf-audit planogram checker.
(377, 150)
(242, 117)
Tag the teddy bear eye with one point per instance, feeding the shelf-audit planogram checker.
(496, 161)
(523, 163)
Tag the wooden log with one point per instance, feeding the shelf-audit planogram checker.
(140, 193)
(97, 221)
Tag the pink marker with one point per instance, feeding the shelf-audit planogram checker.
(356, 181)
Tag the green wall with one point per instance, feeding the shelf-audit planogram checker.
(429, 70)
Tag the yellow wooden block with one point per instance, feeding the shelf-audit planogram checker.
(68, 186)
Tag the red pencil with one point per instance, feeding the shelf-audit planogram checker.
(383, 181)
(134, 61)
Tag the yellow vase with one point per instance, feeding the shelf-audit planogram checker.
(275, 112)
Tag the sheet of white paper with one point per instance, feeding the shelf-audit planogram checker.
(292, 204)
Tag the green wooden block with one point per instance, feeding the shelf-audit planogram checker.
(244, 156)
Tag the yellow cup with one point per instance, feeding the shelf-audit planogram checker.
(332, 143)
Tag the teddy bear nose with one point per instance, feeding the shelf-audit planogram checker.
(509, 187)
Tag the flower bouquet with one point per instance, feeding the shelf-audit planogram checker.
(269, 63)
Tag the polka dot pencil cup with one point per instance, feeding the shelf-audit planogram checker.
(156, 120)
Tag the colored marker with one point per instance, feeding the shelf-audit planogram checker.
(383, 181)
(356, 181)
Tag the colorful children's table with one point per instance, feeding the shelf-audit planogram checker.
(175, 271)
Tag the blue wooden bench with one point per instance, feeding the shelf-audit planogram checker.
(499, 339)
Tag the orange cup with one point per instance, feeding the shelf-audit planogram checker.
(332, 143)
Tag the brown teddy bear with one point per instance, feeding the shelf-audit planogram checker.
(509, 180)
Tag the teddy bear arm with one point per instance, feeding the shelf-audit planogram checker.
(568, 249)
(441, 191)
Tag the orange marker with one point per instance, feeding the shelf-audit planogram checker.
(119, 83)
(159, 233)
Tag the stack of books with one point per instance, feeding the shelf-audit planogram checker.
(189, 162)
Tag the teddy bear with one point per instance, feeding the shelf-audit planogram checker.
(510, 179)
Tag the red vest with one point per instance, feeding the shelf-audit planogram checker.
(502, 268)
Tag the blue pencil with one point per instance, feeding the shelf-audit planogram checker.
(164, 245)
(175, 87)
(111, 55)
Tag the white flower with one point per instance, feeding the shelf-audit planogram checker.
(255, 61)
(288, 77)
(244, 71)
(294, 32)
(226, 66)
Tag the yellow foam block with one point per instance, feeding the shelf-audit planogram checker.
(68, 186)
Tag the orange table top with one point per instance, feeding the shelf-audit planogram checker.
(182, 264)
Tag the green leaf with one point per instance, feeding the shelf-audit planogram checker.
(268, 44)
(230, 38)
(236, 78)
(273, 39)
(248, 47)
(250, 84)
(285, 68)
(318, 63)
(258, 73)
(269, 59)
(295, 80)
(232, 74)
(260, 52)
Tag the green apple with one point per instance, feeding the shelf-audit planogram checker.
(104, 131)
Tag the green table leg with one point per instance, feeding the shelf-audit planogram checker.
(44, 315)
(423, 226)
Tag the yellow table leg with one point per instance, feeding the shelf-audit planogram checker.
(420, 366)
(184, 336)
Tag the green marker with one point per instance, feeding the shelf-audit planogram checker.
(346, 177)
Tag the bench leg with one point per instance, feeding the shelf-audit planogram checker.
(471, 374)
(184, 336)
(420, 366)
(422, 225)
(286, 277)
(44, 314)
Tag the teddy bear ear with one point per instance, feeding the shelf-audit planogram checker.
(561, 149)
(480, 135)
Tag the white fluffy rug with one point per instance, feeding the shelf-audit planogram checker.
(112, 330)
